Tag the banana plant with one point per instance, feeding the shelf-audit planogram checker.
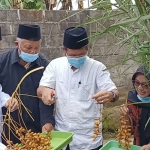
(104, 5)
(22, 4)
(34, 4)
(5, 4)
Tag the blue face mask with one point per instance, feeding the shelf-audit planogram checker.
(145, 99)
(28, 57)
(77, 62)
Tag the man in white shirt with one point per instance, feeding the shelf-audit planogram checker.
(81, 86)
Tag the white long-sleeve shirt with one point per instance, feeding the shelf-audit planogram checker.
(2, 146)
(3, 99)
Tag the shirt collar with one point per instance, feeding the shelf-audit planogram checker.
(15, 58)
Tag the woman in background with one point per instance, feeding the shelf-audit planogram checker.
(138, 114)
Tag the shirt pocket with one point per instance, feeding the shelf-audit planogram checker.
(85, 92)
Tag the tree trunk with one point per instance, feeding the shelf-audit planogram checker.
(80, 4)
(47, 4)
(66, 5)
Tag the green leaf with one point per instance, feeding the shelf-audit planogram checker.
(4, 7)
(141, 18)
(38, 7)
(120, 63)
(43, 7)
(127, 68)
(2, 2)
(129, 49)
(130, 37)
(102, 5)
(28, 1)
(93, 20)
(139, 6)
(39, 3)
(8, 3)
(148, 1)
(126, 29)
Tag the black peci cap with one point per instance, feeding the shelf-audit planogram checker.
(75, 38)
(29, 32)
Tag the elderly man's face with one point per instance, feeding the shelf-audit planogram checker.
(31, 47)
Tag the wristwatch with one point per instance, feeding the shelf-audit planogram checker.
(114, 96)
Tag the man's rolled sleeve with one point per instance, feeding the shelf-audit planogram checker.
(48, 79)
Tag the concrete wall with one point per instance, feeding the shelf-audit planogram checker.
(53, 24)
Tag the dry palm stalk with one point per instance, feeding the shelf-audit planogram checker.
(12, 125)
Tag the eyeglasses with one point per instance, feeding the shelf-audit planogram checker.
(144, 85)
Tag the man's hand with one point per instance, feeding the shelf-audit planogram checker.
(47, 128)
(103, 96)
(46, 95)
(145, 147)
(12, 103)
